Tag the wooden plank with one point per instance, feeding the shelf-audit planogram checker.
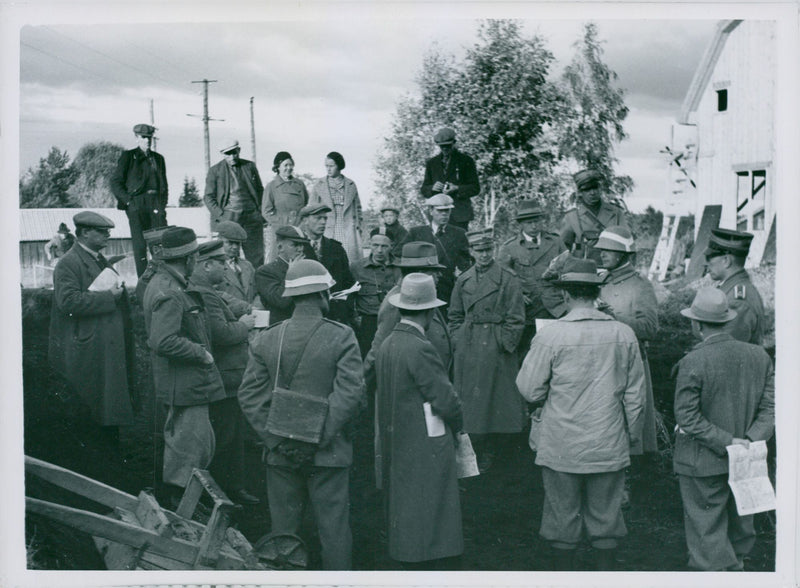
(191, 495)
(150, 515)
(79, 484)
(211, 543)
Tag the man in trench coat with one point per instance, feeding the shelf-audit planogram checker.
(418, 415)
(90, 331)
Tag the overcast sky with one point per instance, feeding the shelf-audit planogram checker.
(318, 86)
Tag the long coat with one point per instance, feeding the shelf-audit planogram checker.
(350, 219)
(131, 174)
(90, 339)
(244, 287)
(748, 326)
(580, 227)
(218, 186)
(419, 471)
(633, 301)
(282, 201)
(460, 171)
(486, 319)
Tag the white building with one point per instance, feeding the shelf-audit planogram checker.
(731, 102)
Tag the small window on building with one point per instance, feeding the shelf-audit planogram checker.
(722, 100)
(741, 223)
(743, 190)
(759, 184)
(758, 221)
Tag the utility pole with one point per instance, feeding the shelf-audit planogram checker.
(206, 119)
(153, 124)
(252, 131)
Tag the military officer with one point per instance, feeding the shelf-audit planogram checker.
(725, 256)
(153, 239)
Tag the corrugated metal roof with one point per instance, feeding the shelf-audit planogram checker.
(40, 224)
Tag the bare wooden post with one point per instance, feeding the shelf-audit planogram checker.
(252, 131)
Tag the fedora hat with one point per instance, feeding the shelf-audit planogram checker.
(710, 305)
(417, 292)
(579, 272)
(306, 276)
(616, 238)
(419, 254)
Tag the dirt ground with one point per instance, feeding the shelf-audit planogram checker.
(501, 509)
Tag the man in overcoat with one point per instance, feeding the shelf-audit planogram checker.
(418, 416)
(139, 184)
(725, 256)
(270, 278)
(229, 336)
(528, 254)
(239, 274)
(91, 341)
(587, 369)
(486, 319)
(724, 395)
(233, 193)
(453, 174)
(582, 225)
(312, 354)
(185, 376)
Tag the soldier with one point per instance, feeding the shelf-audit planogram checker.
(289, 244)
(239, 273)
(153, 239)
(486, 319)
(724, 395)
(320, 357)
(528, 255)
(394, 230)
(725, 256)
(582, 225)
(453, 174)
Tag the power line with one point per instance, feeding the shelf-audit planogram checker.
(62, 60)
(157, 56)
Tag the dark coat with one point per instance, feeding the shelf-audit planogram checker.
(270, 284)
(130, 177)
(724, 389)
(486, 319)
(178, 336)
(218, 186)
(460, 171)
(334, 258)
(418, 471)
(243, 288)
(330, 366)
(91, 339)
(397, 233)
(748, 326)
(580, 227)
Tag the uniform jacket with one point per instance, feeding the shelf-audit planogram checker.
(588, 370)
(748, 326)
(528, 261)
(633, 302)
(330, 366)
(725, 388)
(351, 216)
(270, 284)
(418, 472)
(178, 335)
(460, 171)
(218, 186)
(376, 280)
(486, 319)
(243, 288)
(228, 336)
(283, 200)
(130, 177)
(91, 339)
(580, 227)
(334, 258)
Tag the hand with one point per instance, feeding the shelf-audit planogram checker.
(450, 188)
(118, 290)
(737, 441)
(248, 320)
(208, 359)
(438, 187)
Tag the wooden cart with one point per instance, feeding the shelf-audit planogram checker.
(140, 534)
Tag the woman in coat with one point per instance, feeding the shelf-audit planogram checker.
(341, 196)
(486, 319)
(283, 198)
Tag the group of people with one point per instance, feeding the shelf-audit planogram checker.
(435, 333)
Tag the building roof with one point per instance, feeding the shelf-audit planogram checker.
(40, 224)
(703, 72)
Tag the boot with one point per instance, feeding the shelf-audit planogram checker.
(562, 560)
(605, 559)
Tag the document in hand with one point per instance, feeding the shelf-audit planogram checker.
(466, 461)
(262, 319)
(748, 479)
(342, 294)
(105, 280)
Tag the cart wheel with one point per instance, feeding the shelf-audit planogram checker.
(282, 551)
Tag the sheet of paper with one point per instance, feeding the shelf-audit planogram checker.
(748, 478)
(105, 280)
(540, 323)
(342, 294)
(262, 319)
(466, 461)
(433, 422)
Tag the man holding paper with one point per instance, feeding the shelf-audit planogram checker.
(724, 395)
(90, 326)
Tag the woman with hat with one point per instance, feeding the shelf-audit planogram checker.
(341, 196)
(283, 198)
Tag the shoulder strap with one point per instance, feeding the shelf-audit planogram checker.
(293, 369)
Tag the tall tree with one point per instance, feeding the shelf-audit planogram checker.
(594, 123)
(96, 162)
(190, 196)
(48, 185)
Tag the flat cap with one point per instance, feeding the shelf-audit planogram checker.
(229, 145)
(144, 130)
(391, 207)
(440, 201)
(291, 233)
(587, 179)
(178, 242)
(528, 209)
(482, 239)
(211, 250)
(232, 231)
(87, 218)
(445, 136)
(727, 241)
(312, 209)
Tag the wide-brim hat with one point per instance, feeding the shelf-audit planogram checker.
(306, 276)
(710, 305)
(229, 145)
(616, 238)
(419, 254)
(312, 209)
(724, 241)
(417, 292)
(144, 130)
(178, 242)
(440, 201)
(579, 272)
(529, 209)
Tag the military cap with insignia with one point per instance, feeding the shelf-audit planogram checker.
(312, 209)
(482, 239)
(178, 242)
(92, 220)
(587, 179)
(232, 231)
(214, 249)
(529, 209)
(724, 241)
(291, 233)
(144, 130)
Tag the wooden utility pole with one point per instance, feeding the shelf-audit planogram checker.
(252, 131)
(153, 124)
(206, 119)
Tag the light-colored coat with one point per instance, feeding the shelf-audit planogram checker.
(350, 219)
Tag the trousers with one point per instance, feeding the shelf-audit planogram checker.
(227, 467)
(144, 213)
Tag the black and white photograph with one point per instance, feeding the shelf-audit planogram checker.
(438, 293)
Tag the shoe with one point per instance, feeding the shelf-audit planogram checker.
(244, 497)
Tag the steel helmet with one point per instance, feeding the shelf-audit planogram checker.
(616, 238)
(305, 276)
